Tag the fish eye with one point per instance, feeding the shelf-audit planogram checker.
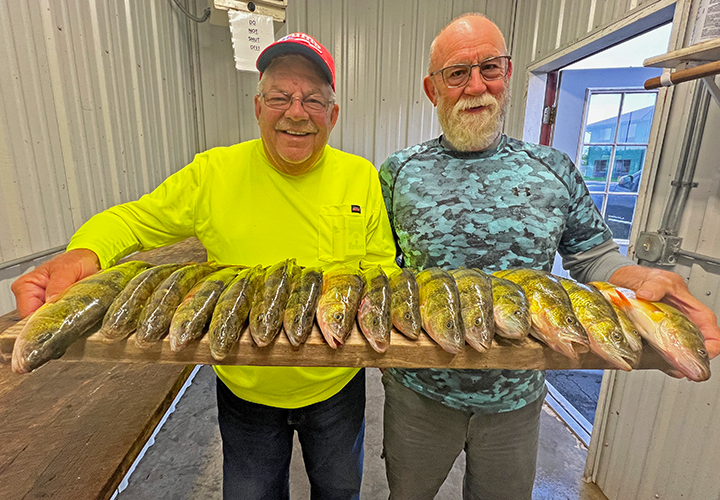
(407, 315)
(702, 352)
(297, 319)
(260, 317)
(617, 336)
(570, 320)
(376, 321)
(478, 322)
(339, 316)
(44, 337)
(449, 325)
(518, 312)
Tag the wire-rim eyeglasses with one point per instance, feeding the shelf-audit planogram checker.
(282, 100)
(457, 75)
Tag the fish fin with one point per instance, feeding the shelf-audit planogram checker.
(620, 300)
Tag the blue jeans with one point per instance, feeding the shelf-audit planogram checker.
(257, 445)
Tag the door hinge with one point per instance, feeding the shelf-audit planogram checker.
(549, 115)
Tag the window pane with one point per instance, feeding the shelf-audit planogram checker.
(636, 118)
(627, 170)
(598, 199)
(619, 215)
(602, 118)
(594, 166)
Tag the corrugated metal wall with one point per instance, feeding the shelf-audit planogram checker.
(98, 98)
(95, 109)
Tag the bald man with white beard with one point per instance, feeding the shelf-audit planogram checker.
(475, 198)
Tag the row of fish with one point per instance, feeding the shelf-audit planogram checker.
(183, 301)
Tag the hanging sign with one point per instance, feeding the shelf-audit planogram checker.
(707, 22)
(251, 33)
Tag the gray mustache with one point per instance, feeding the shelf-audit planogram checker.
(301, 128)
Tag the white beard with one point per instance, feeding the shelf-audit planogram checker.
(471, 132)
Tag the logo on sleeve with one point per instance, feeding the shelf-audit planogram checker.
(355, 209)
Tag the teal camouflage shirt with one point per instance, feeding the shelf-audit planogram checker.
(512, 206)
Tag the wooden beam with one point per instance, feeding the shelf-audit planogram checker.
(403, 352)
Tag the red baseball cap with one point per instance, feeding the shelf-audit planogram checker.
(303, 44)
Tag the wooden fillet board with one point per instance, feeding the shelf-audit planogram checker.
(356, 352)
(403, 353)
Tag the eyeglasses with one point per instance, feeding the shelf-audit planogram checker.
(458, 75)
(282, 100)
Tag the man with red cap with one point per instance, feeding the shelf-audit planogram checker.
(286, 195)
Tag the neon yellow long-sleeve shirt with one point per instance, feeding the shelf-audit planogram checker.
(246, 212)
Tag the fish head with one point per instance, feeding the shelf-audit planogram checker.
(32, 352)
(512, 319)
(264, 322)
(478, 327)
(332, 318)
(446, 330)
(561, 330)
(608, 341)
(673, 335)
(695, 365)
(367, 314)
(375, 324)
(631, 333)
(686, 348)
(258, 326)
(407, 318)
(294, 319)
(405, 305)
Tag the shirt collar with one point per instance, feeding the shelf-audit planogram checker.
(489, 151)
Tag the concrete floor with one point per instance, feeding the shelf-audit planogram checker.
(185, 460)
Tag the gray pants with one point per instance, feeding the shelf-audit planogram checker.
(422, 439)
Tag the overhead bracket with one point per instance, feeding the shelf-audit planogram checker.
(273, 8)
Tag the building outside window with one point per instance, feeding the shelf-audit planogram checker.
(613, 146)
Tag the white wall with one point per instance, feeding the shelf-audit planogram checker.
(95, 110)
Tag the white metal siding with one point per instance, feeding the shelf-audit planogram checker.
(97, 102)
(98, 106)
(95, 109)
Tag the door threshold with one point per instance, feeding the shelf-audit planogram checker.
(566, 411)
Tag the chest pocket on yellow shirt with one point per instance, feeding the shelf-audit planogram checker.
(341, 233)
